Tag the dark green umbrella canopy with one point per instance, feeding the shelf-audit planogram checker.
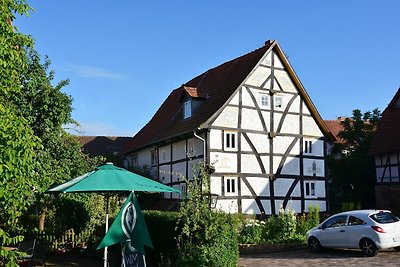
(109, 178)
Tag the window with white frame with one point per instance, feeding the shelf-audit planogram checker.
(264, 100)
(187, 109)
(154, 158)
(308, 147)
(163, 155)
(278, 101)
(230, 140)
(230, 185)
(310, 189)
(190, 146)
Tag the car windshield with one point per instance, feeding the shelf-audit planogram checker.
(384, 217)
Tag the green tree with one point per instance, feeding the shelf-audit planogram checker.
(36, 152)
(17, 167)
(17, 140)
(47, 109)
(351, 170)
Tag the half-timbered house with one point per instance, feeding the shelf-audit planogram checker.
(250, 118)
(385, 148)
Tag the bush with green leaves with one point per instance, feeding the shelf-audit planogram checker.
(286, 227)
(206, 237)
(163, 233)
(251, 232)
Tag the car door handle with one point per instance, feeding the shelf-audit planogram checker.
(342, 231)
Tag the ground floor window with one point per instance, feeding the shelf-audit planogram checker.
(310, 188)
(230, 185)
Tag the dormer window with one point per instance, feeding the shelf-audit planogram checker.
(187, 109)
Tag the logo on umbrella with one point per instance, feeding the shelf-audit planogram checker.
(128, 219)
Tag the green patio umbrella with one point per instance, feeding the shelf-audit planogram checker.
(109, 179)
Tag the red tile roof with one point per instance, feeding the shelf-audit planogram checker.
(387, 138)
(102, 145)
(335, 126)
(192, 91)
(215, 86)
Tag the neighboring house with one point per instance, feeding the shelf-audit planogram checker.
(385, 147)
(103, 145)
(335, 127)
(254, 122)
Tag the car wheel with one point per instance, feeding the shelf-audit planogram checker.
(314, 244)
(368, 247)
(397, 248)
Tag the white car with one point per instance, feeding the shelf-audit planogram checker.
(369, 230)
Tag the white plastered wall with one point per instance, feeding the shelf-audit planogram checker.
(260, 185)
(224, 162)
(259, 76)
(179, 150)
(227, 118)
(252, 121)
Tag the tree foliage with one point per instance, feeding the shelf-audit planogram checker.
(351, 169)
(36, 152)
(17, 141)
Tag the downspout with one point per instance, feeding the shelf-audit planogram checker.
(204, 145)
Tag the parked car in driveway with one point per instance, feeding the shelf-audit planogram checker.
(369, 230)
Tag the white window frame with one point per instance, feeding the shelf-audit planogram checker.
(231, 186)
(187, 109)
(264, 100)
(190, 146)
(310, 189)
(154, 157)
(230, 141)
(281, 101)
(308, 146)
(163, 155)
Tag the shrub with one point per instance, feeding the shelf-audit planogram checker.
(161, 226)
(286, 227)
(346, 206)
(251, 232)
(286, 224)
(313, 216)
(213, 244)
(206, 237)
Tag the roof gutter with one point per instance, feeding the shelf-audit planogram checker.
(204, 145)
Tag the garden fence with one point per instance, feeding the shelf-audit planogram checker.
(67, 240)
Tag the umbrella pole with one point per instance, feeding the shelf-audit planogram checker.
(105, 249)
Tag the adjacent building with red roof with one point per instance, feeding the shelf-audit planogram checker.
(103, 145)
(253, 121)
(386, 149)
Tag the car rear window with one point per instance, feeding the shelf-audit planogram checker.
(384, 217)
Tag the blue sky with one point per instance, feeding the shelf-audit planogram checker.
(123, 58)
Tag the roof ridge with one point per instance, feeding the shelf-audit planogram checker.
(218, 82)
(204, 74)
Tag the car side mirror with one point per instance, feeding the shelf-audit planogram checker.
(321, 227)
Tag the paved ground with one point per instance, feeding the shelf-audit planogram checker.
(305, 258)
(296, 257)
